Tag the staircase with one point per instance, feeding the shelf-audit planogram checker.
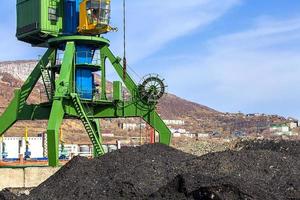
(47, 83)
(88, 125)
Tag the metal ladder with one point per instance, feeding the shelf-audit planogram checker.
(47, 83)
(87, 125)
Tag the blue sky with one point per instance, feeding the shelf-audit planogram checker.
(231, 55)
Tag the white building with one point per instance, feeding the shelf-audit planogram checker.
(190, 135)
(203, 135)
(178, 130)
(181, 132)
(174, 122)
(14, 146)
(108, 135)
(133, 126)
(280, 128)
(72, 149)
(293, 125)
(176, 135)
(283, 129)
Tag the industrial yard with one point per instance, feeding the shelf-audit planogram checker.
(102, 99)
(261, 170)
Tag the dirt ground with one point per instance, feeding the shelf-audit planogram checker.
(202, 147)
(255, 170)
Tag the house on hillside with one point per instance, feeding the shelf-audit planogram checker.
(131, 126)
(293, 123)
(174, 122)
(283, 129)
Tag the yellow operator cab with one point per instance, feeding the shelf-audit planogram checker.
(94, 17)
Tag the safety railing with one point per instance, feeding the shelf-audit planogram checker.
(82, 58)
(93, 94)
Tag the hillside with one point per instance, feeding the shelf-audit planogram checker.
(198, 118)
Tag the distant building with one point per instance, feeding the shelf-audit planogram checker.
(174, 122)
(132, 126)
(239, 134)
(293, 125)
(202, 135)
(127, 126)
(255, 115)
(14, 146)
(108, 135)
(280, 128)
(178, 130)
(72, 149)
(216, 134)
(176, 135)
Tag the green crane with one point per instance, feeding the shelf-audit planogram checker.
(69, 82)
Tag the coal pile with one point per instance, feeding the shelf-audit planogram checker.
(282, 146)
(6, 194)
(160, 172)
(238, 175)
(130, 173)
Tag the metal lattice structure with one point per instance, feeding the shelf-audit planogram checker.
(69, 83)
(65, 102)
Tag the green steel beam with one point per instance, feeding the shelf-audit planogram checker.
(35, 112)
(54, 123)
(62, 89)
(103, 75)
(154, 120)
(82, 39)
(64, 86)
(33, 78)
(11, 114)
(96, 126)
(134, 109)
(129, 83)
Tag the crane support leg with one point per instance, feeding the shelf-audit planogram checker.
(57, 114)
(55, 121)
(15, 108)
(154, 120)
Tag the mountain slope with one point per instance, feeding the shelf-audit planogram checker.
(198, 118)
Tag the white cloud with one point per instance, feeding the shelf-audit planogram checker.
(152, 24)
(255, 69)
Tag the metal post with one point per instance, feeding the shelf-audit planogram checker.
(1, 148)
(152, 135)
(103, 75)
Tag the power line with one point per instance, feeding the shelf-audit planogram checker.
(124, 40)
